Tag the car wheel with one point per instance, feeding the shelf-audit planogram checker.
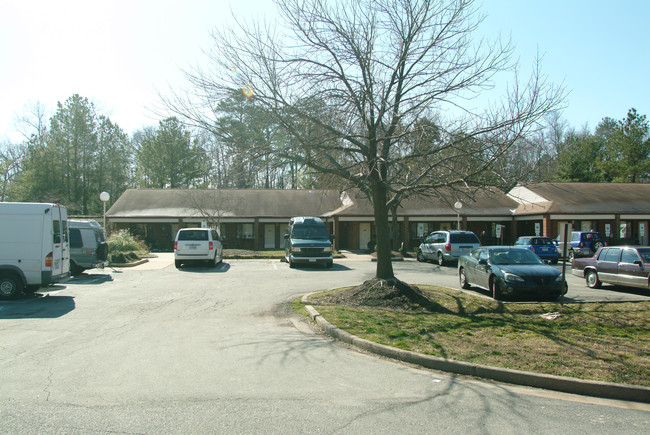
(441, 259)
(177, 264)
(75, 269)
(10, 286)
(555, 261)
(597, 245)
(591, 277)
(571, 255)
(420, 257)
(463, 279)
(495, 287)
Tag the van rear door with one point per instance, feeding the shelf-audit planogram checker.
(60, 250)
(193, 244)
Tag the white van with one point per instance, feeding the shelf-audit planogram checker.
(34, 249)
(197, 245)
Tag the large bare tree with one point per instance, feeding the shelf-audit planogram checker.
(354, 82)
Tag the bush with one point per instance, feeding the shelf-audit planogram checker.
(124, 241)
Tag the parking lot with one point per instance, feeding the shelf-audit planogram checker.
(409, 270)
(154, 349)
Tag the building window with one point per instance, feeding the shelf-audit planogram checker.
(245, 231)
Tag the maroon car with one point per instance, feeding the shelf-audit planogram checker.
(620, 265)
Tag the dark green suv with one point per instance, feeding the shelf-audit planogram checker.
(308, 242)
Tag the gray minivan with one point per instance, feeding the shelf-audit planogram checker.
(88, 246)
(447, 246)
(307, 241)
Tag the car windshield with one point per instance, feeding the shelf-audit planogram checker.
(645, 254)
(514, 256)
(193, 235)
(463, 238)
(309, 232)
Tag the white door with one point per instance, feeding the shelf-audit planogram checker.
(364, 235)
(269, 236)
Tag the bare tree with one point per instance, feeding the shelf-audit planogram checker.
(11, 158)
(350, 81)
(213, 205)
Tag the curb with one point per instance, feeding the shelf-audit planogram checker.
(563, 384)
(135, 263)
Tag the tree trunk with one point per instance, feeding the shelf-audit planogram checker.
(384, 264)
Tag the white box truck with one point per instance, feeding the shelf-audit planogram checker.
(34, 249)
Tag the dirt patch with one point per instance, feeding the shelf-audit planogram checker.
(380, 293)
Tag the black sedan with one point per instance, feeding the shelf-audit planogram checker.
(507, 272)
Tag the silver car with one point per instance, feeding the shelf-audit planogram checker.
(447, 246)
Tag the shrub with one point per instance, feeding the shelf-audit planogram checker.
(124, 241)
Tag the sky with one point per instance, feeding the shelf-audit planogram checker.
(120, 54)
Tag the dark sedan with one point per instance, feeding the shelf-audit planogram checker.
(508, 272)
(621, 265)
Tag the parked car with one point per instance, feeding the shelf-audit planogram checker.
(508, 271)
(621, 265)
(34, 250)
(542, 246)
(447, 246)
(307, 241)
(88, 247)
(581, 244)
(197, 245)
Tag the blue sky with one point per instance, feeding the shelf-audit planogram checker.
(119, 53)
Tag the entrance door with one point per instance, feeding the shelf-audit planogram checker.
(364, 235)
(643, 233)
(269, 236)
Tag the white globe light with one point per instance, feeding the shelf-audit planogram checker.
(458, 204)
(104, 196)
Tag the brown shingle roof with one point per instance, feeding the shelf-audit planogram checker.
(482, 203)
(162, 203)
(585, 198)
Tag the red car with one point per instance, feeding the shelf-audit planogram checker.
(620, 265)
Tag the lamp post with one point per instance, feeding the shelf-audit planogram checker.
(458, 205)
(104, 197)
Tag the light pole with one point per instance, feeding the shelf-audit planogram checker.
(458, 205)
(104, 197)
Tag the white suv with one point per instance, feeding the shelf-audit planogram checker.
(445, 246)
(197, 244)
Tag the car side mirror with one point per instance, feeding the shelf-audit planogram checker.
(286, 235)
(482, 261)
(638, 262)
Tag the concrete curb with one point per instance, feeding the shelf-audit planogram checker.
(135, 263)
(556, 383)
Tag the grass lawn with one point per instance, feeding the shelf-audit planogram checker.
(598, 341)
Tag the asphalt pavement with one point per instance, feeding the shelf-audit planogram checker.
(154, 349)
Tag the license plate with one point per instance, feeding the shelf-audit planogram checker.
(192, 246)
(312, 260)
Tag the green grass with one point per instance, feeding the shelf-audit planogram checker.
(599, 341)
